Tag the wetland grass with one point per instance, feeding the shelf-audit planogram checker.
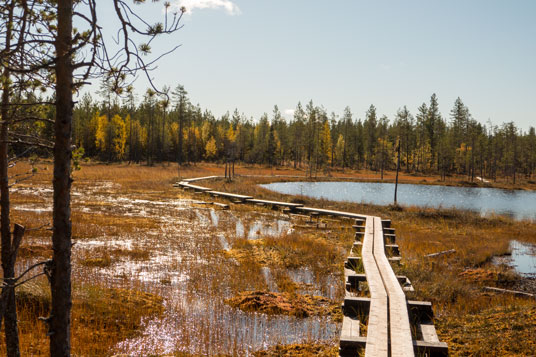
(182, 261)
(151, 271)
(450, 282)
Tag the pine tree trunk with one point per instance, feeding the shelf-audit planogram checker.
(60, 316)
(8, 266)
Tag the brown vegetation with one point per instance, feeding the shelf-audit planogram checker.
(286, 304)
(452, 282)
(300, 350)
(101, 317)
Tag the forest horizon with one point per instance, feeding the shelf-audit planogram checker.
(168, 127)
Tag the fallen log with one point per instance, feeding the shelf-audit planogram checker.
(506, 291)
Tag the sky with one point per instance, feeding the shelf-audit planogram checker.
(254, 54)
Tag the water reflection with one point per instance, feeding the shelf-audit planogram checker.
(262, 228)
(523, 258)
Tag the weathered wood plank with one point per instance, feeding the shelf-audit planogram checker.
(274, 203)
(391, 238)
(432, 349)
(350, 327)
(229, 195)
(221, 205)
(428, 332)
(399, 327)
(352, 276)
(331, 212)
(356, 261)
(196, 188)
(200, 178)
(377, 327)
(392, 248)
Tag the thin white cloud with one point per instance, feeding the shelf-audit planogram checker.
(289, 112)
(227, 5)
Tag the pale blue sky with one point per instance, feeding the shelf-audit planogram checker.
(253, 54)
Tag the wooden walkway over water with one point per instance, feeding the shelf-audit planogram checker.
(395, 326)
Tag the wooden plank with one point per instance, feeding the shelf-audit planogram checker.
(432, 349)
(358, 228)
(360, 222)
(350, 327)
(197, 188)
(377, 327)
(200, 178)
(331, 212)
(359, 235)
(399, 327)
(353, 260)
(229, 195)
(392, 248)
(354, 305)
(221, 205)
(421, 310)
(350, 346)
(352, 276)
(350, 342)
(274, 203)
(428, 332)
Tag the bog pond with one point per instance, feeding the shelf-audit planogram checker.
(516, 204)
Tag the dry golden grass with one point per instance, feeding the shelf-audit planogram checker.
(101, 317)
(286, 304)
(457, 300)
(452, 282)
(301, 350)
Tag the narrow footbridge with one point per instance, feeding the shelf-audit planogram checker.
(375, 295)
(396, 326)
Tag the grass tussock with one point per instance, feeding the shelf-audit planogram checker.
(97, 225)
(103, 257)
(35, 251)
(272, 303)
(104, 261)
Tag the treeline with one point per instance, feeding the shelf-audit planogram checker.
(170, 128)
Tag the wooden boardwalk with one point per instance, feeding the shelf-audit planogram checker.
(408, 329)
(395, 326)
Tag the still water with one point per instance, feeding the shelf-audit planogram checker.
(523, 258)
(517, 204)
